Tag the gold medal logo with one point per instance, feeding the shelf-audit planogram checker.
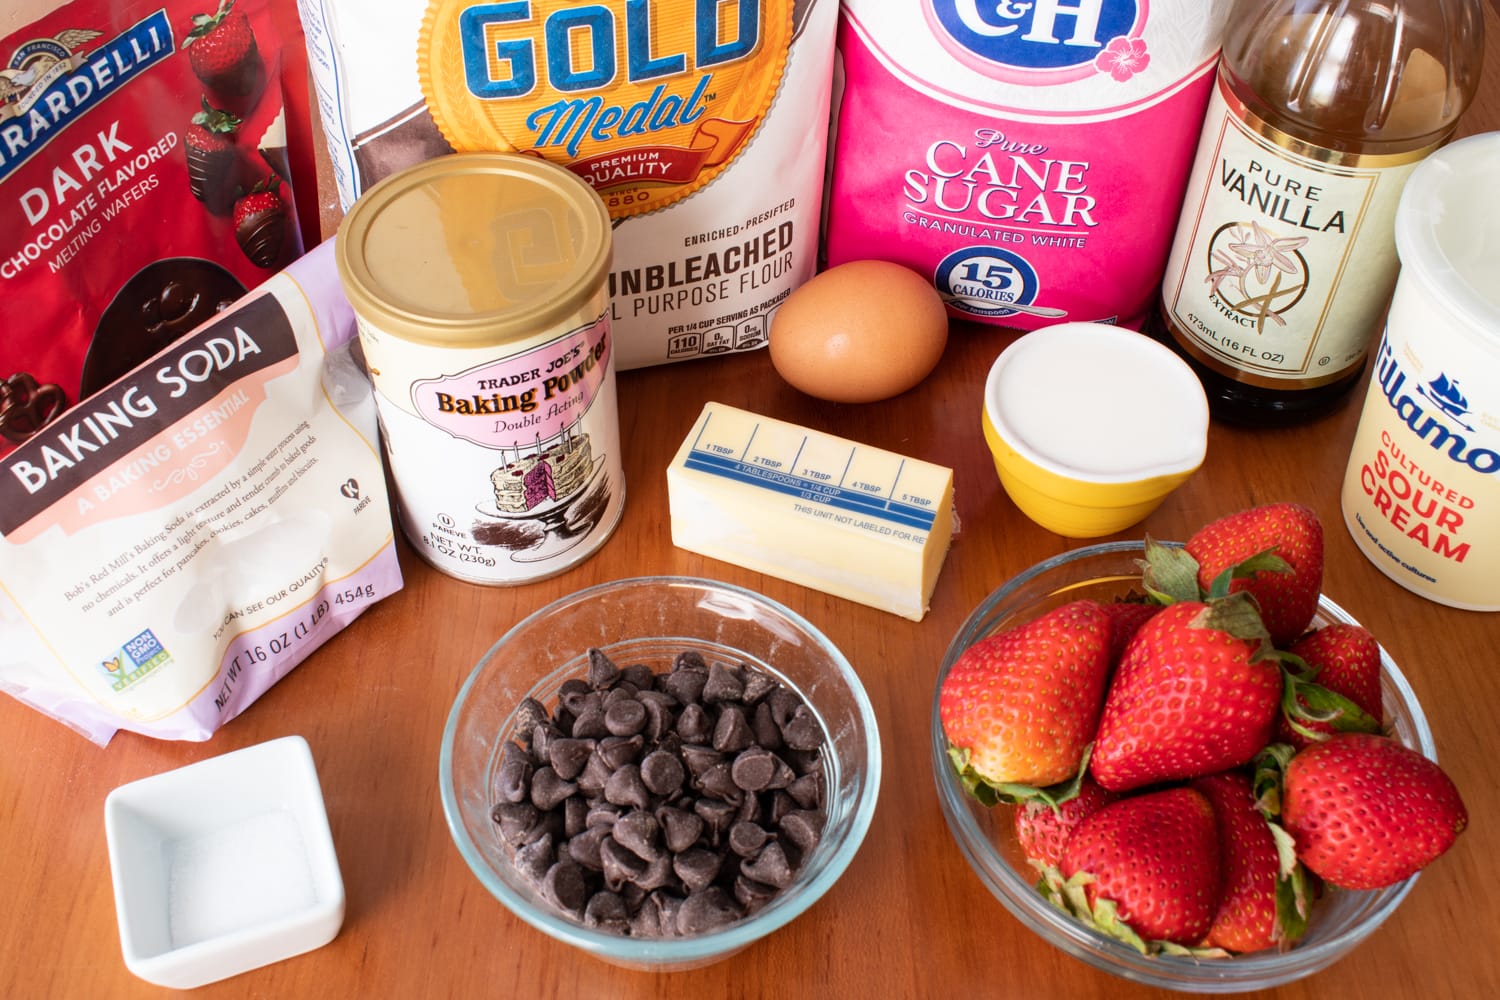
(647, 100)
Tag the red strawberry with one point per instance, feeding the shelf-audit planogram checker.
(1196, 692)
(222, 51)
(211, 158)
(1043, 829)
(1346, 659)
(1125, 619)
(1366, 811)
(1019, 708)
(1287, 531)
(1145, 868)
(1263, 903)
(260, 223)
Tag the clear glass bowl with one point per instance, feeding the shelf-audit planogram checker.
(649, 620)
(1341, 919)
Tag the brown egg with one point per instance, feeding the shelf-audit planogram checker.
(858, 332)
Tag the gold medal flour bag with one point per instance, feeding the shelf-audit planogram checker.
(702, 125)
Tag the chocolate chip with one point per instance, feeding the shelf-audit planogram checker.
(625, 788)
(639, 832)
(746, 839)
(513, 779)
(716, 815)
(783, 702)
(694, 724)
(590, 725)
(808, 790)
(568, 756)
(697, 867)
(542, 737)
(770, 866)
(571, 688)
(575, 815)
(533, 859)
(530, 714)
(587, 849)
(718, 781)
(685, 685)
(667, 904)
(763, 725)
(732, 732)
(619, 864)
(706, 911)
(758, 684)
(657, 873)
(681, 828)
(625, 717)
(595, 773)
(548, 789)
(723, 684)
(639, 676)
(606, 911)
(645, 921)
(699, 758)
(754, 768)
(602, 814)
(803, 828)
(690, 659)
(515, 820)
(602, 670)
(564, 886)
(802, 731)
(752, 895)
(663, 773)
(659, 718)
(617, 751)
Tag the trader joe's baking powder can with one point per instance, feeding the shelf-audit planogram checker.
(478, 282)
(1422, 490)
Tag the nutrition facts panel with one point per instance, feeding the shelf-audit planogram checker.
(819, 468)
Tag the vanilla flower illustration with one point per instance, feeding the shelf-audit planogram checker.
(1123, 58)
(1226, 268)
(1263, 253)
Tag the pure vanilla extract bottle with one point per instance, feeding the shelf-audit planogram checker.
(1284, 257)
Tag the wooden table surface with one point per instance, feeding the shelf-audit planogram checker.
(908, 918)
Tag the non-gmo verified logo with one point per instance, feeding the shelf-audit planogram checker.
(1036, 35)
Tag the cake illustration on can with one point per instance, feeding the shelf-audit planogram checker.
(553, 470)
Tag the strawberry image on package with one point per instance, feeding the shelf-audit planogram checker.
(131, 135)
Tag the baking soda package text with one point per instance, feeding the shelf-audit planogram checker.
(175, 544)
(1029, 158)
(702, 125)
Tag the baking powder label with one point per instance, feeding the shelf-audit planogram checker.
(1284, 256)
(507, 468)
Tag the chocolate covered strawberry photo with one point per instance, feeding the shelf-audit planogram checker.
(221, 47)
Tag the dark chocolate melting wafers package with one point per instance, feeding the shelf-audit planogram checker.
(152, 155)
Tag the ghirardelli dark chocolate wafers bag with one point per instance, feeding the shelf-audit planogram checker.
(149, 155)
(702, 126)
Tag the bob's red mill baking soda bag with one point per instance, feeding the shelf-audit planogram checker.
(703, 125)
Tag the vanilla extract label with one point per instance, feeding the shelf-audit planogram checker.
(1284, 258)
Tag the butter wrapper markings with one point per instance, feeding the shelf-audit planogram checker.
(179, 541)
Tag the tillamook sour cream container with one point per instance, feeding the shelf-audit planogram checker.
(478, 283)
(1422, 490)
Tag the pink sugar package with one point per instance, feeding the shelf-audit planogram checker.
(1029, 158)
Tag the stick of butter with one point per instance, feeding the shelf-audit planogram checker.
(822, 511)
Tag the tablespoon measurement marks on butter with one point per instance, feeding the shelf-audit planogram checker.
(849, 479)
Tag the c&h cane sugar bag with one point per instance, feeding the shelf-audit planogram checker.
(1030, 158)
(703, 126)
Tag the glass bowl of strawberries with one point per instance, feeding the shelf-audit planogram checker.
(1038, 838)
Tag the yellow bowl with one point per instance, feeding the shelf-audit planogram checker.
(1092, 426)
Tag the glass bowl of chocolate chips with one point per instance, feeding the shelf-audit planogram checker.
(660, 770)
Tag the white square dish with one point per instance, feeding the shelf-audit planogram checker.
(223, 866)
